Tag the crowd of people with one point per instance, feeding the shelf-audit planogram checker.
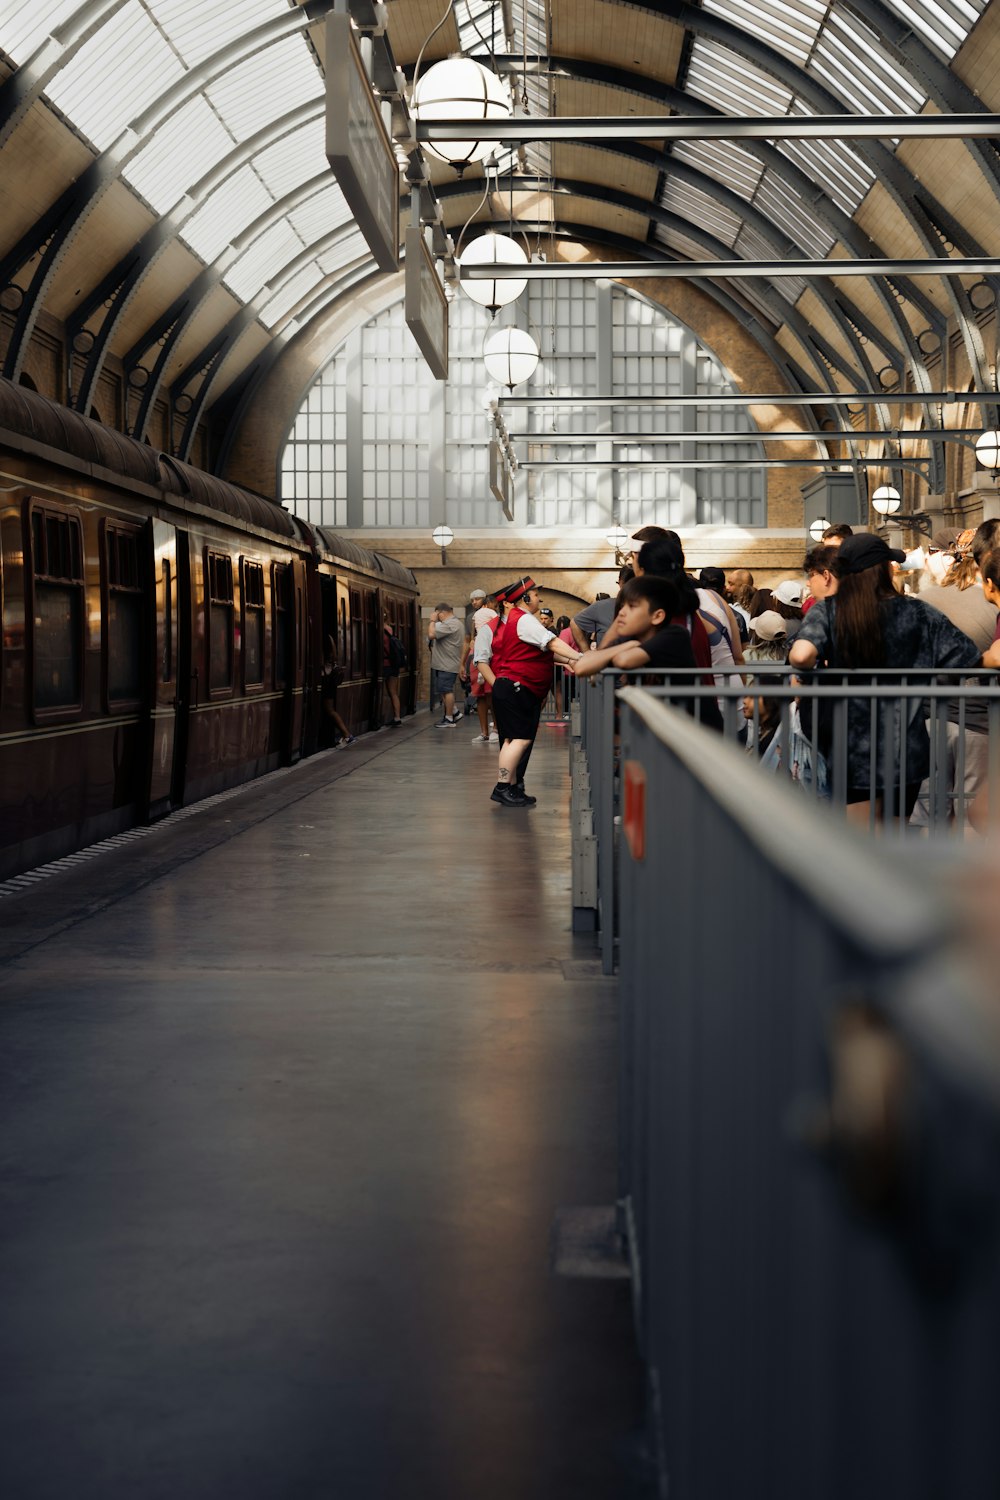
(857, 605)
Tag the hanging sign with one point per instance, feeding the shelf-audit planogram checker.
(358, 146)
(425, 303)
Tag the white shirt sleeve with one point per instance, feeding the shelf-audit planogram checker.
(534, 632)
(483, 649)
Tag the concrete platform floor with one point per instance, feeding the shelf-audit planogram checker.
(291, 1090)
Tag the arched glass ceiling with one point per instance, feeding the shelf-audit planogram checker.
(274, 242)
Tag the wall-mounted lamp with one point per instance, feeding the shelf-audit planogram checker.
(618, 537)
(817, 529)
(988, 451)
(886, 500)
(443, 536)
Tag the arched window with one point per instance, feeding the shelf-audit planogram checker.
(378, 442)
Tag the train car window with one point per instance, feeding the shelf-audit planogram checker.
(280, 587)
(123, 610)
(219, 578)
(58, 609)
(253, 624)
(357, 638)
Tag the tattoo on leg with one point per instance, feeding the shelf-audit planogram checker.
(504, 774)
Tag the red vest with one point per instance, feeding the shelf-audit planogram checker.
(520, 661)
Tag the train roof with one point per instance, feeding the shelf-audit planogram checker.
(375, 562)
(29, 415)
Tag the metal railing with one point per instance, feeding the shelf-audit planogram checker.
(817, 720)
(810, 1140)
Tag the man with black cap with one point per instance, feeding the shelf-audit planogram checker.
(518, 664)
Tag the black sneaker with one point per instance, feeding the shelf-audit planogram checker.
(447, 723)
(509, 796)
(495, 796)
(519, 787)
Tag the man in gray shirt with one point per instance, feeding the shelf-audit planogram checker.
(447, 639)
(595, 619)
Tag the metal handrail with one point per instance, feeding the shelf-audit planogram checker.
(810, 1124)
(943, 807)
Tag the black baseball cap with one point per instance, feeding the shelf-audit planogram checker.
(862, 551)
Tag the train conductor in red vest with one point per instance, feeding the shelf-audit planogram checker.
(518, 663)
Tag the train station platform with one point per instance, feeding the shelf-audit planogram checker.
(294, 1088)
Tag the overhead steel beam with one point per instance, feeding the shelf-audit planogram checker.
(576, 128)
(769, 269)
(965, 435)
(912, 465)
(774, 398)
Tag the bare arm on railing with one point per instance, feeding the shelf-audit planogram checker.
(628, 655)
(802, 654)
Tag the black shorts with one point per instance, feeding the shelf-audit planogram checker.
(516, 710)
(911, 792)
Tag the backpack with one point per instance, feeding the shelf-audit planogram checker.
(397, 654)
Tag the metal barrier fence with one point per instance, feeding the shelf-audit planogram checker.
(815, 722)
(810, 1140)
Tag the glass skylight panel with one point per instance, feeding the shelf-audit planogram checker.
(124, 67)
(725, 161)
(752, 245)
(754, 292)
(294, 159)
(24, 24)
(684, 247)
(322, 213)
(179, 154)
(290, 293)
(265, 86)
(237, 202)
(346, 251)
(780, 203)
(832, 165)
(263, 259)
(718, 77)
(943, 24)
(200, 28)
(700, 208)
(850, 60)
(790, 26)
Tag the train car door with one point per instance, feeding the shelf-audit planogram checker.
(169, 704)
(298, 659)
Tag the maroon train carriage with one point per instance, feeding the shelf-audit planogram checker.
(162, 631)
(358, 591)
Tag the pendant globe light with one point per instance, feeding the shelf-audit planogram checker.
(511, 355)
(460, 88)
(492, 249)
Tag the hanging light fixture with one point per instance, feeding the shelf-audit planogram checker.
(886, 500)
(460, 87)
(511, 355)
(492, 249)
(817, 529)
(988, 450)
